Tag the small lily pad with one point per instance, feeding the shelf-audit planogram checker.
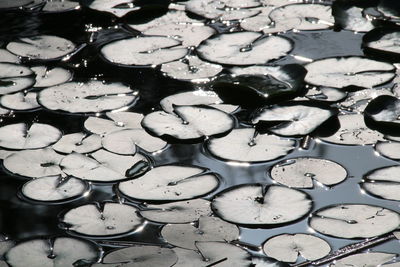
(326, 94)
(20, 101)
(46, 77)
(59, 6)
(206, 229)
(14, 78)
(383, 182)
(23, 136)
(354, 221)
(143, 51)
(90, 97)
(384, 112)
(177, 212)
(366, 259)
(42, 47)
(389, 150)
(287, 247)
(58, 252)
(350, 17)
(300, 172)
(255, 205)
(244, 48)
(110, 219)
(383, 42)
(78, 142)
(358, 101)
(198, 97)
(246, 145)
(170, 183)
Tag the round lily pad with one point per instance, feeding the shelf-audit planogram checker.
(383, 182)
(14, 78)
(20, 101)
(78, 142)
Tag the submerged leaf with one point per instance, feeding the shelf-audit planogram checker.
(367, 259)
(252, 205)
(170, 183)
(244, 48)
(300, 172)
(354, 221)
(245, 145)
(288, 247)
(207, 229)
(109, 220)
(383, 182)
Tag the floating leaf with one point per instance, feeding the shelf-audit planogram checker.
(354, 221)
(390, 150)
(384, 111)
(118, 8)
(177, 212)
(206, 229)
(255, 205)
(245, 145)
(140, 256)
(100, 166)
(177, 24)
(287, 247)
(191, 122)
(78, 142)
(57, 6)
(13, 4)
(223, 10)
(20, 101)
(308, 16)
(213, 254)
(349, 72)
(383, 42)
(191, 68)
(143, 51)
(41, 47)
(368, 259)
(6, 56)
(4, 111)
(260, 22)
(170, 183)
(108, 220)
(22, 136)
(358, 101)
(54, 188)
(350, 17)
(353, 131)
(326, 94)
(198, 97)
(90, 97)
(14, 78)
(296, 118)
(118, 121)
(125, 142)
(300, 172)
(34, 163)
(383, 182)
(46, 77)
(244, 48)
(61, 251)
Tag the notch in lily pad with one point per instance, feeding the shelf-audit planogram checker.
(383, 114)
(383, 183)
(383, 43)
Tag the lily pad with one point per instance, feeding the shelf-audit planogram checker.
(219, 254)
(100, 166)
(117, 121)
(349, 72)
(54, 189)
(287, 247)
(58, 252)
(198, 97)
(368, 259)
(14, 78)
(244, 48)
(191, 68)
(177, 212)
(354, 221)
(206, 229)
(191, 122)
(358, 101)
(170, 183)
(350, 17)
(20, 101)
(326, 94)
(23, 136)
(14, 4)
(41, 47)
(246, 145)
(46, 77)
(143, 51)
(120, 8)
(300, 172)
(34, 163)
(383, 182)
(58, 6)
(255, 205)
(139, 256)
(383, 42)
(383, 111)
(353, 131)
(78, 142)
(90, 97)
(296, 118)
(6, 56)
(110, 219)
(389, 150)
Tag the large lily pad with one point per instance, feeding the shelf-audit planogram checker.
(244, 48)
(246, 145)
(90, 97)
(256, 205)
(170, 183)
(354, 221)
(383, 182)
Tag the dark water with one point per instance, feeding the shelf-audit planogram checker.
(21, 219)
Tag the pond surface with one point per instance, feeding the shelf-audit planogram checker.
(22, 219)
